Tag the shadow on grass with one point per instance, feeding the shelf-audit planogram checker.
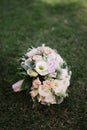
(61, 26)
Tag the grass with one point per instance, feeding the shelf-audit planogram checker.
(60, 24)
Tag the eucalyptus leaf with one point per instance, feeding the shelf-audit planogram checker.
(60, 100)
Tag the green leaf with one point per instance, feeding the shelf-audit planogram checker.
(22, 73)
(27, 83)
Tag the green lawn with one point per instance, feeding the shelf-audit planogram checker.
(60, 24)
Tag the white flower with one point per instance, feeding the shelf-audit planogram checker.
(60, 86)
(63, 73)
(66, 82)
(41, 68)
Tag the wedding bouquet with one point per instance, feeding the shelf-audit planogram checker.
(46, 75)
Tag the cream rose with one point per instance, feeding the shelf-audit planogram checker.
(46, 95)
(44, 91)
(50, 99)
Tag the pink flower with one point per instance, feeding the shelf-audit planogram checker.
(17, 86)
(46, 50)
(36, 83)
(47, 83)
(37, 57)
(32, 52)
(52, 66)
(34, 93)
